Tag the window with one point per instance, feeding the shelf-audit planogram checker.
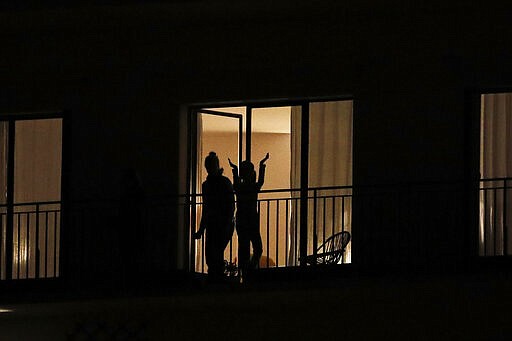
(310, 166)
(30, 181)
(495, 174)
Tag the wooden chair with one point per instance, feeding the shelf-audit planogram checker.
(331, 251)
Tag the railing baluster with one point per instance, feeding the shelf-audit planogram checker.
(297, 203)
(486, 222)
(54, 244)
(2, 236)
(46, 246)
(343, 224)
(333, 216)
(19, 246)
(505, 224)
(495, 218)
(315, 235)
(27, 246)
(324, 220)
(286, 252)
(38, 256)
(268, 232)
(277, 233)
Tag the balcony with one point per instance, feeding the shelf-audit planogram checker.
(407, 227)
(326, 211)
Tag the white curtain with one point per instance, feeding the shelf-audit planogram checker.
(495, 162)
(330, 164)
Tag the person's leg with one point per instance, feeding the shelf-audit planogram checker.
(214, 255)
(244, 246)
(257, 248)
(257, 244)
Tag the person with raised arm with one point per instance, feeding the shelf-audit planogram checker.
(247, 216)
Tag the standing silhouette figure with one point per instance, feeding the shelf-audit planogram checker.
(247, 216)
(217, 216)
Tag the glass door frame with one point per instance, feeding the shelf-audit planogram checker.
(191, 200)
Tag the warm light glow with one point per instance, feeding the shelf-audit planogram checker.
(4, 310)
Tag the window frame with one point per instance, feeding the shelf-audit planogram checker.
(304, 102)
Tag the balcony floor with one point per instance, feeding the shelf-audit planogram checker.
(421, 307)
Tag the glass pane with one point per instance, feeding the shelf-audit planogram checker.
(240, 111)
(37, 160)
(219, 134)
(272, 133)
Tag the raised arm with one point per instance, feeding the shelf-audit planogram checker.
(234, 168)
(262, 162)
(261, 175)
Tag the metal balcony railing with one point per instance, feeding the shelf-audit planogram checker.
(327, 211)
(401, 224)
(495, 214)
(30, 240)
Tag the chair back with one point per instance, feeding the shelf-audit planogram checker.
(335, 246)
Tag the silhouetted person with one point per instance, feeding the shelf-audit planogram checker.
(130, 228)
(247, 218)
(217, 216)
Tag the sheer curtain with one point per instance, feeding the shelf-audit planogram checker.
(330, 164)
(495, 162)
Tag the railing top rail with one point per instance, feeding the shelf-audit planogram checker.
(495, 179)
(283, 190)
(37, 203)
(273, 191)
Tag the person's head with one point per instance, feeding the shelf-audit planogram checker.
(247, 173)
(211, 163)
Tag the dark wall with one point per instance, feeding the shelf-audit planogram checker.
(122, 72)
